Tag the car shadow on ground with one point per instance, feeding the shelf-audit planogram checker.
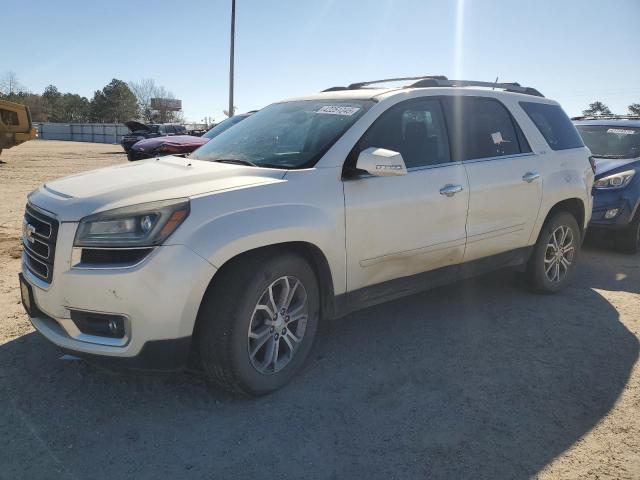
(480, 379)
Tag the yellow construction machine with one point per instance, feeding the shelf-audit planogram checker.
(15, 124)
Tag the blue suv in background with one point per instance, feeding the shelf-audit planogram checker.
(615, 145)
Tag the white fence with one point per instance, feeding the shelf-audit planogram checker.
(82, 132)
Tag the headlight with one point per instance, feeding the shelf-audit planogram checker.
(617, 180)
(139, 138)
(142, 225)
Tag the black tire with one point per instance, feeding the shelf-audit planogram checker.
(628, 240)
(537, 275)
(226, 314)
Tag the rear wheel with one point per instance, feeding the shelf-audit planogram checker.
(555, 252)
(258, 322)
(628, 241)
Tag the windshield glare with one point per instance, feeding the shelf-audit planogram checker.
(611, 141)
(285, 135)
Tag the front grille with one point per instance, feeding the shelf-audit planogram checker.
(39, 235)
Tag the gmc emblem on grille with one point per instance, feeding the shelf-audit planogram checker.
(27, 232)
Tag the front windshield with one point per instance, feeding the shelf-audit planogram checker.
(608, 141)
(224, 125)
(285, 135)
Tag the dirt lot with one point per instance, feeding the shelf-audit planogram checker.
(480, 379)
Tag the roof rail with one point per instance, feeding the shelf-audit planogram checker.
(442, 81)
(606, 117)
(355, 86)
(509, 87)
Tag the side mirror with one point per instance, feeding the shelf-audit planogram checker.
(381, 162)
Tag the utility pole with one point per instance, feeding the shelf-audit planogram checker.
(233, 34)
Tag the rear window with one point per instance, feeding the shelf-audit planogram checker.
(482, 128)
(9, 118)
(554, 125)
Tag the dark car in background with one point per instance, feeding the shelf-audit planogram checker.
(615, 145)
(141, 131)
(179, 144)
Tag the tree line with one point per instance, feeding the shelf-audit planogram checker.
(598, 108)
(116, 102)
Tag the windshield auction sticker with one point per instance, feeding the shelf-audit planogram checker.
(338, 110)
(621, 131)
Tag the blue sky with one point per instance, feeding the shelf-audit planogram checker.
(572, 51)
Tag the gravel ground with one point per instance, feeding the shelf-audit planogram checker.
(480, 379)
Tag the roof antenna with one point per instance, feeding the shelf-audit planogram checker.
(495, 83)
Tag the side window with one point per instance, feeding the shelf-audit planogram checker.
(554, 125)
(168, 129)
(8, 117)
(415, 128)
(481, 128)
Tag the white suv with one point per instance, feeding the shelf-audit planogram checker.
(310, 208)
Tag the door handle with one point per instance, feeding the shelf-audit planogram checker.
(450, 190)
(530, 176)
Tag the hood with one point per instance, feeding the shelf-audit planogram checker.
(74, 197)
(136, 126)
(604, 165)
(174, 141)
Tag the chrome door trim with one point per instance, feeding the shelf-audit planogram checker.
(500, 157)
(411, 170)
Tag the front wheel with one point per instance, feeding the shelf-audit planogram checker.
(258, 322)
(555, 253)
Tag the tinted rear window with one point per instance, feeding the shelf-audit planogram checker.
(482, 128)
(8, 117)
(554, 125)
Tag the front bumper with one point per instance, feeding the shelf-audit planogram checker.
(159, 298)
(623, 200)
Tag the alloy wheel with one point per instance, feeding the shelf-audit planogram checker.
(559, 254)
(278, 325)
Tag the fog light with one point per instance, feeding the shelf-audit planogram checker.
(612, 212)
(99, 324)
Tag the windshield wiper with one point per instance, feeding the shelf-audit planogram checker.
(236, 161)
